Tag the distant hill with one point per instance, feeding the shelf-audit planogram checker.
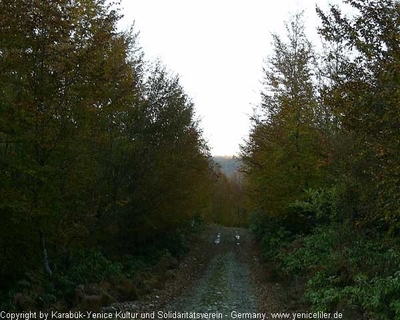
(229, 165)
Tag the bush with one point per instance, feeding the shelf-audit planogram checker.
(176, 243)
(272, 233)
(343, 267)
(90, 266)
(321, 206)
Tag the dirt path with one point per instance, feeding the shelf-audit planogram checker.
(221, 274)
(226, 283)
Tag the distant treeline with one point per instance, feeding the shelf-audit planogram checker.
(228, 206)
(229, 165)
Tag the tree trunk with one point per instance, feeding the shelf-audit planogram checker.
(46, 264)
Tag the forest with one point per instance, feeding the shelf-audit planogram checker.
(322, 166)
(103, 168)
(105, 174)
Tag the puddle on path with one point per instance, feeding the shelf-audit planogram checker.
(218, 239)
(237, 238)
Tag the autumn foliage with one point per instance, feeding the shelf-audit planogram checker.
(99, 149)
(322, 160)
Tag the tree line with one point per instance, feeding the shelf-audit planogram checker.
(101, 154)
(228, 201)
(322, 159)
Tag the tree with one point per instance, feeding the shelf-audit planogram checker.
(171, 166)
(283, 156)
(65, 73)
(365, 97)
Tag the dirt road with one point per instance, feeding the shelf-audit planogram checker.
(221, 274)
(226, 283)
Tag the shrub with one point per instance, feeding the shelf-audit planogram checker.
(273, 234)
(90, 266)
(344, 267)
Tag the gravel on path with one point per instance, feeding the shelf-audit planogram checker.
(223, 273)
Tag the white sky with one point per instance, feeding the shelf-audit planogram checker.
(218, 48)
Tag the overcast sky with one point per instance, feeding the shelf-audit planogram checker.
(218, 48)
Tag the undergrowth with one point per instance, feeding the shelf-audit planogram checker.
(90, 266)
(341, 265)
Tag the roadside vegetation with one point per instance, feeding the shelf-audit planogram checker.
(322, 162)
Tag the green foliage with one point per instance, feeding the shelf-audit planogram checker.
(273, 242)
(346, 268)
(89, 266)
(273, 234)
(320, 206)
